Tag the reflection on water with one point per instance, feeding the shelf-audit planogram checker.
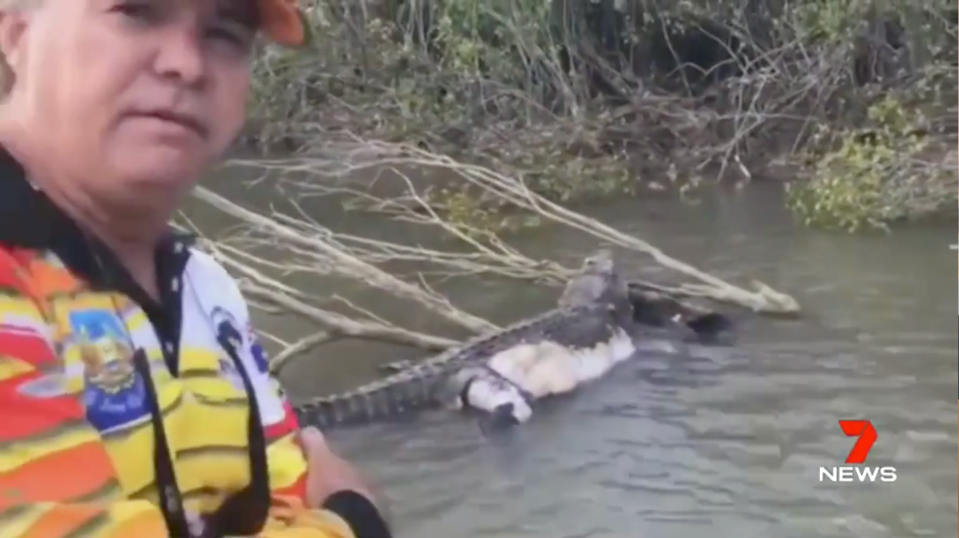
(728, 441)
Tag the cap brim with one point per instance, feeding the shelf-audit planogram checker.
(283, 23)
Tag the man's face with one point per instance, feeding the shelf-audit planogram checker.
(137, 95)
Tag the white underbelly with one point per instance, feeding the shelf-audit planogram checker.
(546, 368)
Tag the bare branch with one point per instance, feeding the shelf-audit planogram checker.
(300, 347)
(347, 263)
(499, 257)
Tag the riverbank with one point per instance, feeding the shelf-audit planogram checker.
(856, 108)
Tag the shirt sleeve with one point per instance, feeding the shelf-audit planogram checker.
(56, 477)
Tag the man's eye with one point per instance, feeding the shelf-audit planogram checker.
(227, 34)
(138, 11)
(240, 38)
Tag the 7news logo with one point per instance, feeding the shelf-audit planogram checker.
(855, 470)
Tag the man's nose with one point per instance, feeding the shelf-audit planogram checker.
(181, 57)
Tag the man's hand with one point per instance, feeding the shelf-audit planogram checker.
(333, 484)
(328, 473)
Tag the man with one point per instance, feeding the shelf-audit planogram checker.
(134, 397)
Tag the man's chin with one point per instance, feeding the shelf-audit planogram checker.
(160, 170)
(149, 191)
(147, 202)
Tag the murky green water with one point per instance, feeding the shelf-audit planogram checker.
(726, 443)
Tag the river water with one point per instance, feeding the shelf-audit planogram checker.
(726, 442)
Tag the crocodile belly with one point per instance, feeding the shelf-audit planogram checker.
(549, 367)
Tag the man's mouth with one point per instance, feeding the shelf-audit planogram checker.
(186, 121)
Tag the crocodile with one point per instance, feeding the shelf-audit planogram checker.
(503, 372)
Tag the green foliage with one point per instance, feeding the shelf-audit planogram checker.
(829, 21)
(889, 164)
(486, 81)
(462, 210)
(874, 174)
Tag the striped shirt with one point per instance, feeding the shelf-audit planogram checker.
(76, 434)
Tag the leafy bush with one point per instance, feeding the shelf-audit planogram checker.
(886, 170)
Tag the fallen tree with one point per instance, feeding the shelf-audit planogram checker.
(304, 245)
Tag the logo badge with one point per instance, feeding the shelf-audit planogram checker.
(114, 395)
(854, 469)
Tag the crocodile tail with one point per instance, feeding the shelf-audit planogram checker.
(378, 401)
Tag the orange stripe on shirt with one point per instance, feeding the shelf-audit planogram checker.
(64, 475)
(47, 279)
(134, 519)
(64, 520)
(32, 275)
(297, 489)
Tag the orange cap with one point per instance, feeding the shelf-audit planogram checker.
(283, 22)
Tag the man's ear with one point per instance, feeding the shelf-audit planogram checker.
(13, 29)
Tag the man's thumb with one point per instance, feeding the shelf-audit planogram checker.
(312, 439)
